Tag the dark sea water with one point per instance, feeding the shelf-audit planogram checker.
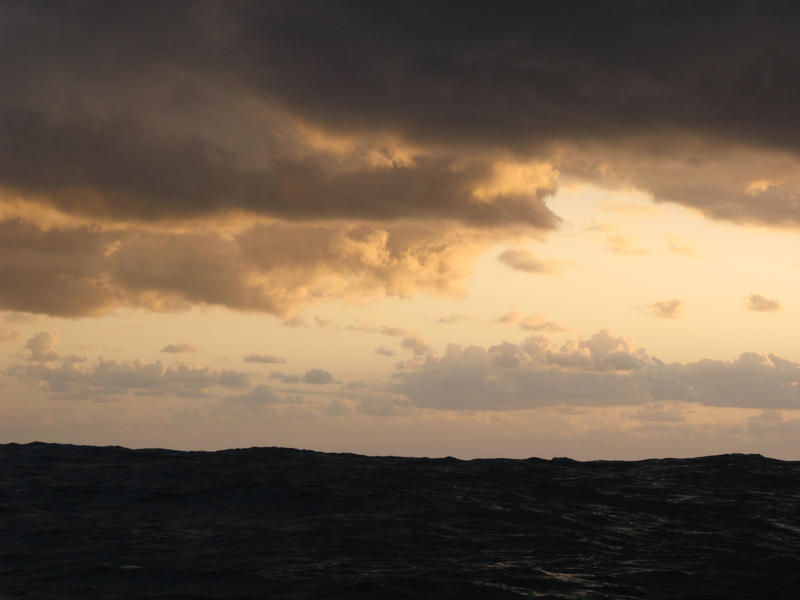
(88, 522)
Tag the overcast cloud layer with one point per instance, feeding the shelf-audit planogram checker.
(364, 149)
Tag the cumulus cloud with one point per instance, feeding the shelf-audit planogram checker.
(318, 377)
(182, 348)
(453, 319)
(411, 340)
(529, 323)
(383, 407)
(264, 358)
(268, 267)
(758, 303)
(604, 369)
(284, 377)
(388, 330)
(417, 344)
(665, 309)
(524, 260)
(112, 377)
(336, 408)
(260, 396)
(41, 347)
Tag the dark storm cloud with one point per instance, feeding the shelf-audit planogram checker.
(532, 70)
(116, 169)
(152, 110)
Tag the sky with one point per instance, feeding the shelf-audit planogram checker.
(541, 229)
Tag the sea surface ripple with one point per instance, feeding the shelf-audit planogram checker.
(109, 522)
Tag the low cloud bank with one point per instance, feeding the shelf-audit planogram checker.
(603, 370)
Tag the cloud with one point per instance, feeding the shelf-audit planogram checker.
(336, 408)
(411, 340)
(112, 377)
(605, 82)
(355, 385)
(512, 316)
(181, 348)
(312, 376)
(41, 347)
(273, 268)
(354, 172)
(56, 271)
(758, 303)
(453, 319)
(16, 317)
(388, 330)
(391, 331)
(417, 344)
(658, 413)
(264, 122)
(665, 309)
(383, 407)
(264, 358)
(318, 377)
(538, 324)
(323, 323)
(524, 260)
(260, 396)
(132, 172)
(602, 370)
(531, 323)
(284, 377)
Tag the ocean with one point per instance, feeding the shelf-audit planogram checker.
(109, 522)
